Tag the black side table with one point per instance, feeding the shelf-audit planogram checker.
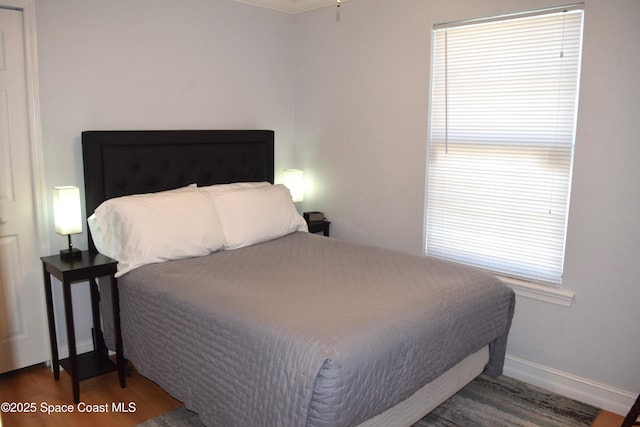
(87, 268)
(319, 227)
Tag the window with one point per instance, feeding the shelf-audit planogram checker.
(503, 111)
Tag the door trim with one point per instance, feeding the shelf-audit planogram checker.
(27, 7)
(35, 129)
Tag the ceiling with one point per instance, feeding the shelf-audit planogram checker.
(290, 6)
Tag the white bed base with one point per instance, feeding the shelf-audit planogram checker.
(429, 397)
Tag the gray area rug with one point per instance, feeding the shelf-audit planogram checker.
(485, 402)
(504, 401)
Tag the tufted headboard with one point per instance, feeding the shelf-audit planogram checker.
(119, 163)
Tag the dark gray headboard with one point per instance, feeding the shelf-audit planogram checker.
(119, 163)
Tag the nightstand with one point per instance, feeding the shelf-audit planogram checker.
(86, 268)
(319, 227)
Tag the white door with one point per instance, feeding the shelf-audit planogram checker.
(23, 334)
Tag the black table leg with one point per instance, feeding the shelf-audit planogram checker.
(115, 302)
(632, 416)
(71, 338)
(53, 341)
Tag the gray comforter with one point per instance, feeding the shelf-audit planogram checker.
(306, 330)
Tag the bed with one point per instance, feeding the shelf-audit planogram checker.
(291, 329)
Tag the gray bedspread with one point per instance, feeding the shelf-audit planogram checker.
(306, 330)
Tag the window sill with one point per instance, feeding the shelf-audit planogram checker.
(544, 293)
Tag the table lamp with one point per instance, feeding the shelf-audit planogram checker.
(293, 179)
(67, 216)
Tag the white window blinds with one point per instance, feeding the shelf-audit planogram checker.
(503, 112)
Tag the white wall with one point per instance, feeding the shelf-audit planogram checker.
(362, 91)
(158, 64)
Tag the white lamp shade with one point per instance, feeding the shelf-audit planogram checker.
(67, 213)
(294, 180)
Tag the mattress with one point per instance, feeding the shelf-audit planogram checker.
(307, 330)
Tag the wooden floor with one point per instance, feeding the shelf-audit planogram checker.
(142, 398)
(36, 385)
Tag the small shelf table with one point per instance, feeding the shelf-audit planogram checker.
(88, 267)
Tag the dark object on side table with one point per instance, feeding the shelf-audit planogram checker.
(316, 222)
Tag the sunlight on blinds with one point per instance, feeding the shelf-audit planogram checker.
(503, 111)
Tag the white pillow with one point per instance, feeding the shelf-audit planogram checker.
(149, 228)
(254, 215)
(219, 188)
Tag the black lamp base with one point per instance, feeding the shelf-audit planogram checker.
(72, 253)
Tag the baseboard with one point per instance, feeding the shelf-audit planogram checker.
(582, 389)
